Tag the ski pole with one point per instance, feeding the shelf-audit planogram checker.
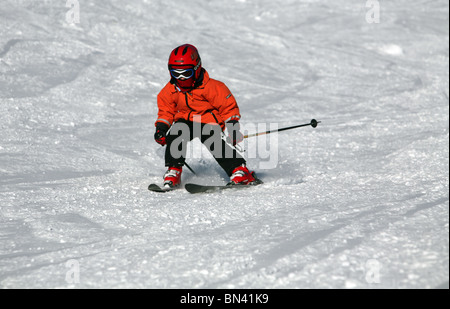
(187, 165)
(313, 124)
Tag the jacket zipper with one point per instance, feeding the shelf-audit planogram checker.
(187, 104)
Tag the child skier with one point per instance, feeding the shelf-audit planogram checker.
(194, 105)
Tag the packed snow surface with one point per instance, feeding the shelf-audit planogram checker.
(361, 201)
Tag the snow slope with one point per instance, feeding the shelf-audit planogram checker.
(359, 202)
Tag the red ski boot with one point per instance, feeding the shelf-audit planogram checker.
(172, 178)
(242, 176)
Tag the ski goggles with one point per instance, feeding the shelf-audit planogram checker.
(182, 73)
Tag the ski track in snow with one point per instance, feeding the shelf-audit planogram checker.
(359, 202)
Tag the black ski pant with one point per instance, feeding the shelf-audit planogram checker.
(210, 135)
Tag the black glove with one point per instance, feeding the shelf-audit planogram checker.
(234, 134)
(160, 134)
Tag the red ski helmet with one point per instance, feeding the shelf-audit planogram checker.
(185, 57)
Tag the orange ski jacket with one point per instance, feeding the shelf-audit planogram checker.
(212, 100)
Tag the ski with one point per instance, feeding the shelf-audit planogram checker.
(155, 188)
(195, 188)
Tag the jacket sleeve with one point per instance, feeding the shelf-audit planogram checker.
(167, 107)
(225, 103)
